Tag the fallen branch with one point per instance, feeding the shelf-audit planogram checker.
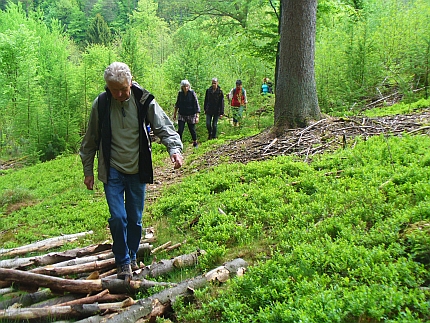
(76, 269)
(165, 266)
(83, 310)
(54, 257)
(163, 246)
(27, 279)
(144, 307)
(270, 145)
(103, 296)
(27, 299)
(175, 246)
(43, 245)
(419, 129)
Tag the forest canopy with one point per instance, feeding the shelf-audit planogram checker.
(53, 54)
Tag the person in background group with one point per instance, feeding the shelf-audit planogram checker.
(214, 108)
(238, 102)
(264, 88)
(187, 109)
(117, 129)
(267, 86)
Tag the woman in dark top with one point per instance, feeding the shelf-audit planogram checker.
(187, 109)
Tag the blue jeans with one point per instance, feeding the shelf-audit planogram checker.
(211, 125)
(125, 220)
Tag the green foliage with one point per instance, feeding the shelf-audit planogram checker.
(338, 248)
(399, 108)
(14, 196)
(50, 200)
(370, 50)
(50, 74)
(98, 31)
(340, 240)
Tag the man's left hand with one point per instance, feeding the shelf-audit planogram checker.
(178, 160)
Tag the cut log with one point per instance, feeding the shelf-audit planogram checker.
(144, 307)
(26, 279)
(7, 290)
(27, 299)
(165, 266)
(54, 257)
(43, 245)
(82, 260)
(54, 283)
(84, 310)
(57, 300)
(103, 297)
(76, 269)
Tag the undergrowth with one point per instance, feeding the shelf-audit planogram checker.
(343, 239)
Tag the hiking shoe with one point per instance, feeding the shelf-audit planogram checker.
(195, 144)
(124, 272)
(134, 266)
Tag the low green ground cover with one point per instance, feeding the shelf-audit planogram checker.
(345, 238)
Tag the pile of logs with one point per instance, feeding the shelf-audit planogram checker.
(80, 285)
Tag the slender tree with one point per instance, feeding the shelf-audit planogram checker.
(296, 96)
(99, 32)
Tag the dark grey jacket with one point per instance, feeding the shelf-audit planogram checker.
(161, 126)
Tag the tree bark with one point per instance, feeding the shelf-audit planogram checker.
(27, 299)
(76, 269)
(83, 310)
(27, 279)
(54, 257)
(43, 245)
(144, 307)
(296, 102)
(165, 266)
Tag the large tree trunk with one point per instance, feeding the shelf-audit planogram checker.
(296, 96)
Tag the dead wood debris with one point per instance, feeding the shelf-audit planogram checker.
(58, 290)
(325, 135)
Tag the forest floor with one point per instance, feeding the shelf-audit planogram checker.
(325, 135)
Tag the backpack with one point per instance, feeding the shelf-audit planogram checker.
(104, 100)
(234, 91)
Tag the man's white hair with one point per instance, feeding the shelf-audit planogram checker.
(117, 72)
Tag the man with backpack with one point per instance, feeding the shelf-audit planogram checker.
(238, 102)
(117, 130)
